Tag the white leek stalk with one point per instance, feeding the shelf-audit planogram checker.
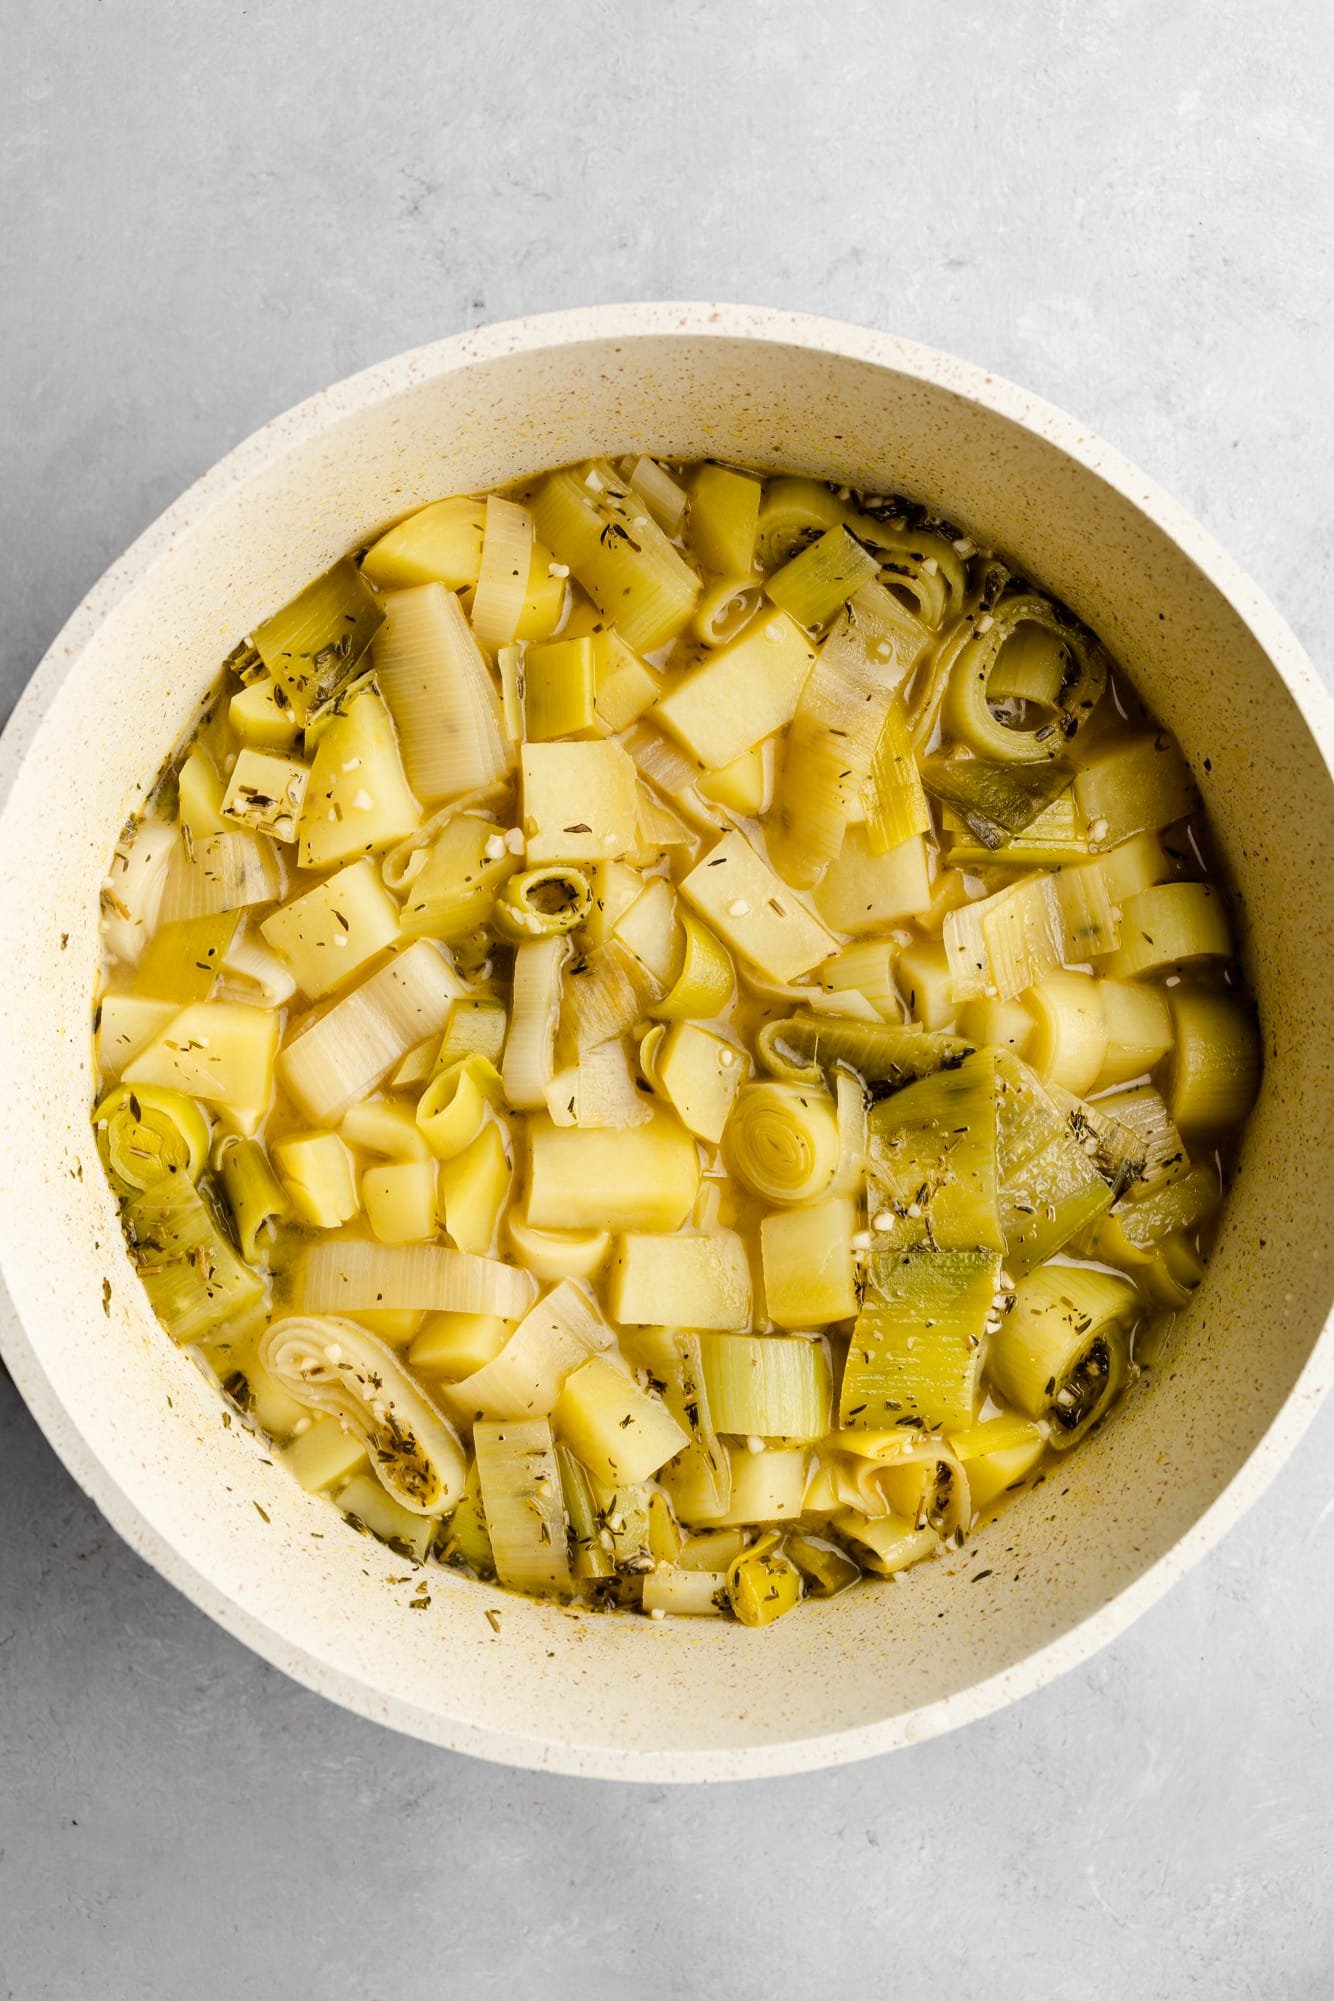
(502, 580)
(133, 891)
(525, 1378)
(530, 1044)
(353, 1275)
(441, 695)
(525, 1513)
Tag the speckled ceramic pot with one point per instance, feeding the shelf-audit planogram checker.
(140, 1428)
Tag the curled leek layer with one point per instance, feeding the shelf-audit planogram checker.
(781, 1060)
(541, 903)
(782, 1141)
(335, 1367)
(924, 1484)
(1062, 1352)
(452, 1109)
(706, 981)
(1063, 703)
(881, 1052)
(724, 608)
(145, 1134)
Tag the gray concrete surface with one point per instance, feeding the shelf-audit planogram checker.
(210, 211)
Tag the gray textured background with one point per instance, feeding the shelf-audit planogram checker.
(211, 211)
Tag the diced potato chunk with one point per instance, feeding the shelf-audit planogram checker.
(625, 685)
(320, 1175)
(755, 912)
(700, 1073)
(263, 717)
(358, 800)
(693, 1281)
(649, 929)
(335, 929)
(809, 1278)
(619, 1432)
(745, 692)
(399, 1199)
(221, 1051)
(862, 891)
(579, 802)
(637, 1178)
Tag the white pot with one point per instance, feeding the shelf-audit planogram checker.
(480, 1671)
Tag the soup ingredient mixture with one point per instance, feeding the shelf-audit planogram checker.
(671, 1039)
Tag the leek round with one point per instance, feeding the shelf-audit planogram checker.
(782, 1141)
(147, 1133)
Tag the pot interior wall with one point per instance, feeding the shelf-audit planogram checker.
(308, 1593)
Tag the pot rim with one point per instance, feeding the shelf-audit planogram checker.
(363, 391)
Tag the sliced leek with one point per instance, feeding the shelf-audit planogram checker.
(707, 979)
(1049, 1182)
(194, 1280)
(231, 871)
(333, 1366)
(600, 527)
(351, 1048)
(182, 961)
(312, 646)
(350, 1275)
(968, 712)
(995, 801)
(255, 1196)
(147, 1135)
(1176, 924)
(764, 1584)
(525, 1378)
(1215, 1070)
(818, 581)
(841, 748)
(1132, 785)
(782, 1141)
(1062, 1351)
(452, 1110)
(892, 792)
(525, 1512)
(724, 513)
(880, 1052)
(916, 1352)
(767, 1385)
(659, 964)
(474, 1186)
(440, 693)
(502, 577)
(559, 683)
(1068, 1043)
